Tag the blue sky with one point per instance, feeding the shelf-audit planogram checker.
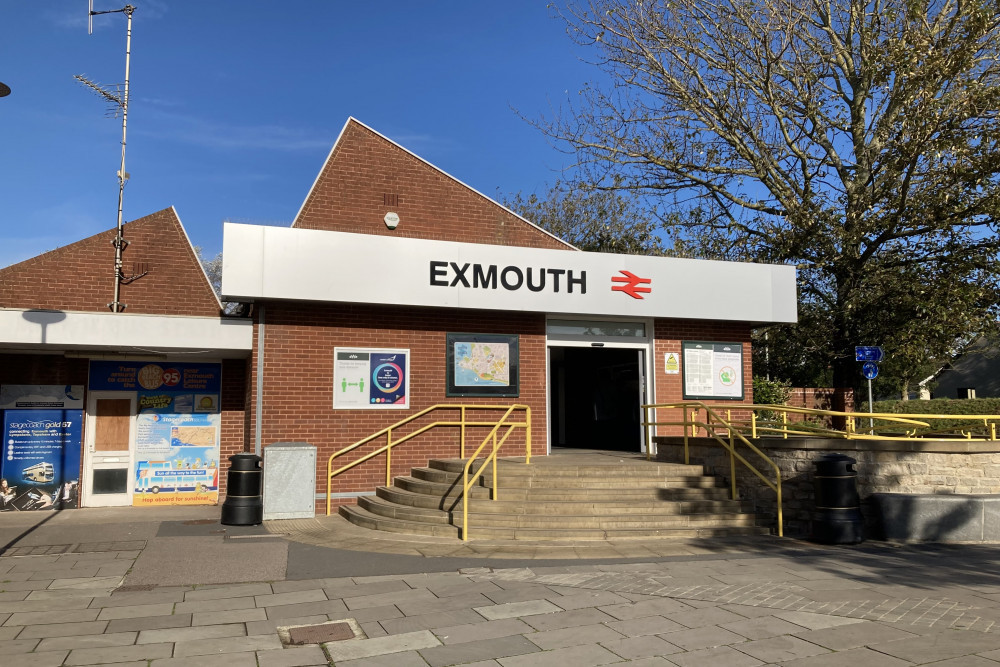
(235, 105)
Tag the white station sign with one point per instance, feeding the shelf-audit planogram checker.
(284, 263)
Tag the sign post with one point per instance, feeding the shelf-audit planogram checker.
(870, 355)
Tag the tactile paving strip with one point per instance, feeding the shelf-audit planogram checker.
(926, 612)
(79, 548)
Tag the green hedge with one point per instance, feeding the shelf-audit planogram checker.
(938, 406)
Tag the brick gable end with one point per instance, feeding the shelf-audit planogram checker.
(367, 176)
(79, 276)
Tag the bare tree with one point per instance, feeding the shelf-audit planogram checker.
(855, 139)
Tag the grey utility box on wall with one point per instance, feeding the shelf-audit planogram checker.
(289, 481)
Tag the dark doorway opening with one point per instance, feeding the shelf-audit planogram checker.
(594, 398)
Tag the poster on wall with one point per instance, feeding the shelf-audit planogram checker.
(483, 365)
(178, 427)
(713, 370)
(177, 459)
(368, 378)
(41, 459)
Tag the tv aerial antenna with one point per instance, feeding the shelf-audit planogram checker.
(118, 96)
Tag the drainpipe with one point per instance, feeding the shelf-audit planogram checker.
(259, 379)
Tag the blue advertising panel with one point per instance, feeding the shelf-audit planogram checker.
(41, 462)
(165, 387)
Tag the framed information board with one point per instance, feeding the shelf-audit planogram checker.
(712, 370)
(370, 379)
(482, 365)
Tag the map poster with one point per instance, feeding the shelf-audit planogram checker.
(368, 378)
(713, 370)
(177, 459)
(482, 365)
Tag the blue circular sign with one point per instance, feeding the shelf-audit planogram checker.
(870, 370)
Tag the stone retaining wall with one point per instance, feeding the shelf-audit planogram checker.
(935, 467)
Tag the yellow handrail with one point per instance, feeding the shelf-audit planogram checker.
(462, 423)
(491, 459)
(712, 420)
(910, 423)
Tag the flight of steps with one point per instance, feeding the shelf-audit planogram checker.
(559, 498)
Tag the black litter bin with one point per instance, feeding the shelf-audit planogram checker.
(244, 505)
(837, 518)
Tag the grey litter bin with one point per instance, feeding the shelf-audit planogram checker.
(244, 505)
(837, 518)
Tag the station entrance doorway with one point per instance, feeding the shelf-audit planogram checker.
(595, 394)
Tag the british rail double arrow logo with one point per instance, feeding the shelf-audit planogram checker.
(631, 284)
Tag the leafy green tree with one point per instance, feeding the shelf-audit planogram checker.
(593, 219)
(856, 139)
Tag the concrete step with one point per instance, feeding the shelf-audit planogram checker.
(362, 517)
(611, 480)
(589, 506)
(628, 520)
(628, 467)
(543, 492)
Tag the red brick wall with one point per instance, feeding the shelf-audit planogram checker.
(298, 386)
(368, 176)
(80, 276)
(234, 436)
(669, 336)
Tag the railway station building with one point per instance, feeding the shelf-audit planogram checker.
(396, 288)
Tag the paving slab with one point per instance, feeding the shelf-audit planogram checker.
(858, 657)
(365, 648)
(476, 651)
(515, 609)
(587, 655)
(646, 646)
(407, 659)
(458, 634)
(580, 634)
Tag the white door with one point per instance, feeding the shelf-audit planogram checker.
(107, 471)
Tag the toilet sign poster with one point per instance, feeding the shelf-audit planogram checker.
(370, 379)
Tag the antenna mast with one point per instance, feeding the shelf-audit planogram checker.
(120, 99)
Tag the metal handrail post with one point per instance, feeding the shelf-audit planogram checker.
(784, 425)
(388, 458)
(527, 437)
(781, 521)
(462, 443)
(753, 424)
(732, 465)
(493, 495)
(686, 457)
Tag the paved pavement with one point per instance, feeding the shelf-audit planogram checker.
(170, 586)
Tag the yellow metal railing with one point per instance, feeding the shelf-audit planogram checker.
(714, 421)
(880, 425)
(491, 459)
(463, 423)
